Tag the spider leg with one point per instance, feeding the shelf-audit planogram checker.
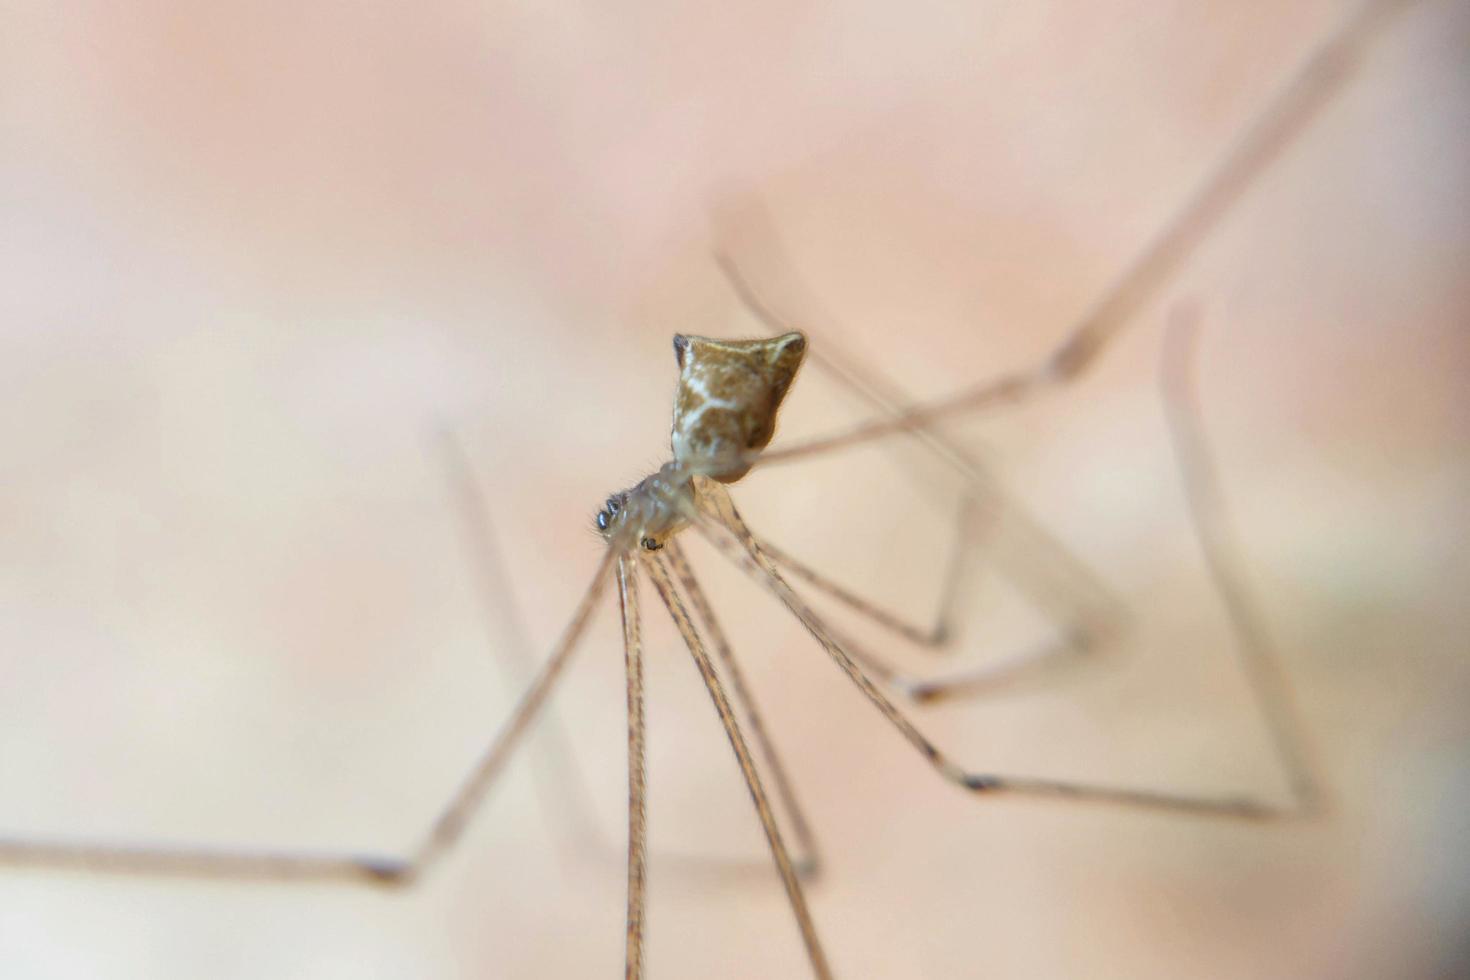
(658, 572)
(989, 523)
(1259, 659)
(1287, 115)
(808, 862)
(562, 788)
(206, 862)
(718, 520)
(637, 786)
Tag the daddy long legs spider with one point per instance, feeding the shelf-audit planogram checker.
(719, 519)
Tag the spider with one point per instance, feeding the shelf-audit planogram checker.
(726, 406)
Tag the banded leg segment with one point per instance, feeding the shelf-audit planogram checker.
(718, 520)
(1088, 619)
(637, 788)
(934, 636)
(808, 862)
(658, 572)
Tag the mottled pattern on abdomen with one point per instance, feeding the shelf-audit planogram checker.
(728, 396)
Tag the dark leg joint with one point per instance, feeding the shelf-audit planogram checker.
(391, 872)
(925, 693)
(808, 869)
(982, 783)
(1075, 355)
(1248, 809)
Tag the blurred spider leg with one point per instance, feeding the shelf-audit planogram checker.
(660, 575)
(637, 803)
(1259, 658)
(452, 819)
(1091, 617)
(933, 636)
(559, 782)
(1285, 117)
(202, 862)
(976, 513)
(1088, 616)
(715, 516)
(808, 861)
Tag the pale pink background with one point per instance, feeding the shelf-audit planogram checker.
(251, 253)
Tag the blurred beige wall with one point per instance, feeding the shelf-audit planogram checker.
(251, 254)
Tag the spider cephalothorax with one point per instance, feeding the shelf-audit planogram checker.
(646, 515)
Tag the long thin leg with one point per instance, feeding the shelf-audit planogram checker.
(660, 575)
(226, 863)
(451, 822)
(1048, 573)
(1088, 626)
(637, 805)
(1007, 674)
(718, 520)
(562, 790)
(1285, 117)
(808, 863)
(1259, 658)
(979, 507)
(933, 636)
(1071, 595)
(1259, 663)
(563, 794)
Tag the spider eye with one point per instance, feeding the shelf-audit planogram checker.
(613, 505)
(602, 520)
(650, 545)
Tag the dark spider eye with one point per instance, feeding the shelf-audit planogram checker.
(681, 347)
(613, 505)
(650, 545)
(601, 520)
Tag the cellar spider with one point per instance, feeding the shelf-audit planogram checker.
(726, 405)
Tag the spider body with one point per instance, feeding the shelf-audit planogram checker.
(724, 409)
